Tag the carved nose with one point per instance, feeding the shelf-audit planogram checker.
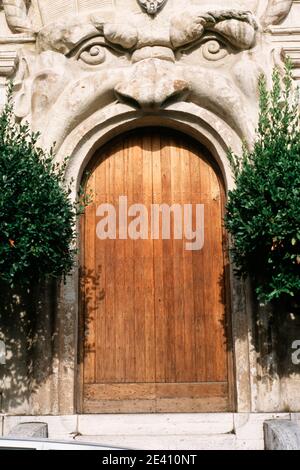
(152, 84)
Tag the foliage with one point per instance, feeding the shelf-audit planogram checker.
(263, 211)
(37, 217)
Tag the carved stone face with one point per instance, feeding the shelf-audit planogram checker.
(207, 55)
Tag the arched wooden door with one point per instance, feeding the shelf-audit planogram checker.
(154, 333)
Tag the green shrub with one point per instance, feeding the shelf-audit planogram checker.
(37, 218)
(263, 211)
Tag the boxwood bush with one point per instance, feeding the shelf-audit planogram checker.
(37, 218)
(263, 211)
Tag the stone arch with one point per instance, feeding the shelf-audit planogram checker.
(208, 129)
(80, 146)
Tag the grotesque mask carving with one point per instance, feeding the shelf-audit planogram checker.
(99, 53)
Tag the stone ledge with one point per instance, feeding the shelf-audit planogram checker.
(175, 442)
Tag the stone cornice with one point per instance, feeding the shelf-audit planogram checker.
(8, 63)
(17, 39)
(284, 31)
(288, 37)
(293, 52)
(9, 56)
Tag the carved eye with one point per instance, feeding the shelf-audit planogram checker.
(214, 50)
(93, 54)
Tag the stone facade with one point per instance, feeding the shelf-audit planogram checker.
(87, 70)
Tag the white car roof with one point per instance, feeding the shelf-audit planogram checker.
(47, 444)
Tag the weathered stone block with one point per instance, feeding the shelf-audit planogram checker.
(25, 430)
(282, 435)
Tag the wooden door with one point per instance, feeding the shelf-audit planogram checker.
(154, 333)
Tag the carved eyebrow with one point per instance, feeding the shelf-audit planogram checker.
(215, 17)
(68, 33)
(64, 37)
(241, 34)
(239, 27)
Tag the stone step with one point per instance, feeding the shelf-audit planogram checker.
(175, 442)
(184, 424)
(158, 431)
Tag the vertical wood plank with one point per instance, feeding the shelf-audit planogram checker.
(188, 285)
(160, 327)
(129, 332)
(178, 197)
(89, 289)
(168, 269)
(199, 273)
(100, 273)
(148, 264)
(119, 287)
(110, 324)
(137, 155)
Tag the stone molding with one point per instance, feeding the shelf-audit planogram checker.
(293, 52)
(8, 63)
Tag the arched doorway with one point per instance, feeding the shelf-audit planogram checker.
(155, 312)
